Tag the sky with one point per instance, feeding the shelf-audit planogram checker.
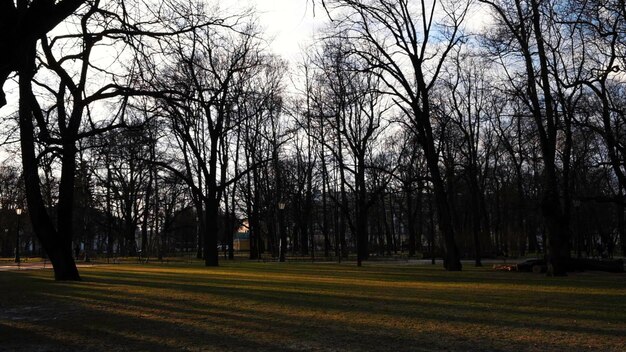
(291, 24)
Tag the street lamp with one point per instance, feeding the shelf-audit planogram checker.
(283, 239)
(18, 211)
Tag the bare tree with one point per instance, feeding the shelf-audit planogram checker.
(59, 129)
(523, 28)
(22, 24)
(209, 66)
(57, 124)
(409, 43)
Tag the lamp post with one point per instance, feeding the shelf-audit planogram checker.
(18, 211)
(283, 240)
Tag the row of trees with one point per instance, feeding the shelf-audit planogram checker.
(407, 130)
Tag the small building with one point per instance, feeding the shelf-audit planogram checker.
(241, 239)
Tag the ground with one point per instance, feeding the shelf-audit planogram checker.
(250, 306)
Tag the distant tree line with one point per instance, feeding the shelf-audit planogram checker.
(406, 129)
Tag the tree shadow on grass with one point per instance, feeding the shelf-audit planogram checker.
(403, 301)
(131, 310)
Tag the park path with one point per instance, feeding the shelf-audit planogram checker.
(35, 266)
(10, 266)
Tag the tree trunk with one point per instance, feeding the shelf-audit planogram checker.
(57, 244)
(451, 261)
(362, 237)
(431, 230)
(211, 254)
(231, 234)
(552, 210)
(388, 233)
(109, 210)
(621, 222)
(361, 233)
(410, 219)
(324, 201)
(476, 215)
(283, 235)
(146, 213)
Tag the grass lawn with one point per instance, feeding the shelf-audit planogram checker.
(247, 306)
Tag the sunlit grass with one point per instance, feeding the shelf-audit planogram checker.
(246, 306)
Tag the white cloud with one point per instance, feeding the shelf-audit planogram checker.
(289, 24)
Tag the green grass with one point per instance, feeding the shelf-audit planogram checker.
(246, 306)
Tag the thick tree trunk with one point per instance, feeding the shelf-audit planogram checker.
(200, 230)
(200, 216)
(556, 222)
(421, 109)
(521, 217)
(362, 233)
(253, 210)
(304, 234)
(131, 243)
(476, 233)
(362, 236)
(337, 219)
(109, 211)
(476, 216)
(557, 237)
(146, 213)
(211, 254)
(57, 244)
(451, 261)
(388, 232)
(200, 227)
(325, 206)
